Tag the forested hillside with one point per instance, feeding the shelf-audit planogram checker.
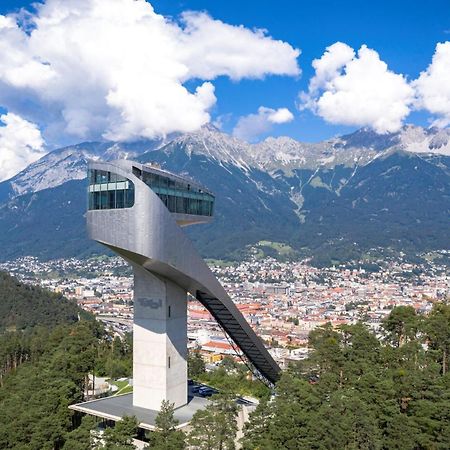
(23, 306)
(360, 390)
(44, 364)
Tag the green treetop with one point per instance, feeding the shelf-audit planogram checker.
(166, 436)
(215, 427)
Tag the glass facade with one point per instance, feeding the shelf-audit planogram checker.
(179, 196)
(109, 191)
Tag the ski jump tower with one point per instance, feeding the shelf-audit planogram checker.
(137, 211)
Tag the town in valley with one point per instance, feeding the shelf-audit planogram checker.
(283, 301)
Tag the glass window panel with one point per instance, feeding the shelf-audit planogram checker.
(96, 200)
(178, 204)
(189, 205)
(100, 177)
(172, 203)
(154, 180)
(137, 172)
(109, 191)
(130, 197)
(130, 194)
(103, 200)
(120, 198)
(111, 199)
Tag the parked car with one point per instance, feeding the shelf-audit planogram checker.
(206, 391)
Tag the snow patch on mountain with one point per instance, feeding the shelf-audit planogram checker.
(271, 155)
(70, 163)
(52, 170)
(214, 144)
(419, 140)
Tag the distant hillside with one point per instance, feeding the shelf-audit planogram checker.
(334, 201)
(23, 306)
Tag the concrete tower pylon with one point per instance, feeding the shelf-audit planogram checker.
(159, 341)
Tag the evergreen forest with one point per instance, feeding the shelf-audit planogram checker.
(46, 353)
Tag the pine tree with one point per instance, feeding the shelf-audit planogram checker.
(196, 365)
(215, 427)
(82, 437)
(166, 436)
(257, 429)
(121, 436)
(402, 325)
(437, 328)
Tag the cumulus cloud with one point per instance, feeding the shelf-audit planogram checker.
(359, 90)
(118, 69)
(212, 48)
(252, 126)
(433, 86)
(21, 143)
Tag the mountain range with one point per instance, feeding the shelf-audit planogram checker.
(348, 197)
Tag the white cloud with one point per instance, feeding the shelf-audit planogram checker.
(433, 86)
(330, 65)
(359, 90)
(213, 48)
(21, 143)
(281, 115)
(117, 69)
(252, 126)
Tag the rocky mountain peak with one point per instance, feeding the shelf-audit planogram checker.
(274, 153)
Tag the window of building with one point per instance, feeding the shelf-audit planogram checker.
(108, 190)
(178, 196)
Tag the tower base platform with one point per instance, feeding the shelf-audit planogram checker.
(114, 408)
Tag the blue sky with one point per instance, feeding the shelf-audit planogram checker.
(404, 33)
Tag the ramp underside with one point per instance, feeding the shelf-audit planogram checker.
(255, 354)
(222, 309)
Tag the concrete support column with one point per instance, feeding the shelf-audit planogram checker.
(159, 341)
